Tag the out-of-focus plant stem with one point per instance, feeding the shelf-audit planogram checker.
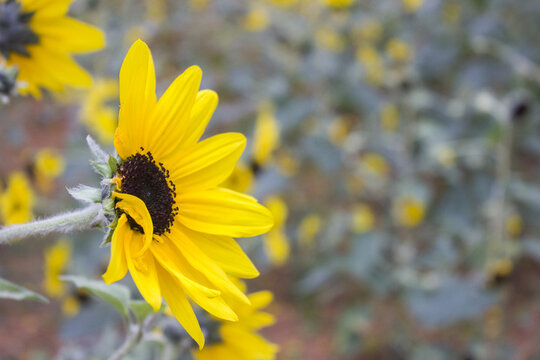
(72, 221)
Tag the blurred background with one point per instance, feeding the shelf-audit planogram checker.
(397, 142)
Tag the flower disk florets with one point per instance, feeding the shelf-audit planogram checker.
(142, 177)
(15, 33)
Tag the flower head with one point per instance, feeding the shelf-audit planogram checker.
(17, 201)
(175, 224)
(37, 37)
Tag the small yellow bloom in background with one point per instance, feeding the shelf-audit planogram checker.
(371, 30)
(374, 164)
(339, 129)
(44, 55)
(446, 156)
(399, 50)
(338, 3)
(288, 165)
(199, 4)
(156, 9)
(241, 179)
(240, 340)
(283, 3)
(363, 219)
(389, 118)
(175, 224)
(329, 39)
(49, 163)
(276, 242)
(309, 228)
(409, 211)
(514, 225)
(98, 112)
(56, 260)
(266, 136)
(412, 5)
(373, 64)
(257, 19)
(17, 201)
(71, 306)
(451, 12)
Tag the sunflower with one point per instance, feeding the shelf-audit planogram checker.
(38, 38)
(175, 225)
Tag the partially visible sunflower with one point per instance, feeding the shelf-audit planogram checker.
(175, 225)
(240, 340)
(38, 38)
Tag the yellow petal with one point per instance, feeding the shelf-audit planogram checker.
(261, 299)
(179, 305)
(225, 252)
(174, 262)
(208, 163)
(69, 35)
(266, 137)
(135, 207)
(179, 242)
(205, 105)
(117, 264)
(143, 270)
(45, 9)
(220, 211)
(172, 115)
(137, 97)
(278, 208)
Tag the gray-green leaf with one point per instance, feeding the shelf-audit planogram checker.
(114, 294)
(9, 290)
(85, 194)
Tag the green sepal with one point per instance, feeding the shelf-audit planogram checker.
(110, 231)
(141, 309)
(102, 168)
(113, 164)
(85, 194)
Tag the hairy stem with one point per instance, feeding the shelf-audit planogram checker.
(72, 221)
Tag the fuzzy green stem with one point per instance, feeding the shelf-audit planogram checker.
(82, 219)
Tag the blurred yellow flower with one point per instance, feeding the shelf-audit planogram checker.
(275, 241)
(373, 64)
(49, 163)
(374, 164)
(17, 201)
(371, 30)
(412, 5)
(266, 136)
(409, 211)
(363, 219)
(514, 225)
(156, 9)
(338, 130)
(257, 19)
(71, 306)
(308, 229)
(288, 165)
(98, 112)
(175, 226)
(338, 3)
(240, 340)
(56, 260)
(241, 179)
(451, 12)
(399, 50)
(389, 118)
(42, 45)
(199, 4)
(329, 39)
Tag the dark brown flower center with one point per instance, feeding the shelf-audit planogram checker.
(149, 181)
(15, 33)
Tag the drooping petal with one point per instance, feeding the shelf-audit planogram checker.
(172, 114)
(178, 267)
(135, 207)
(208, 163)
(69, 35)
(176, 298)
(220, 211)
(137, 98)
(225, 252)
(244, 340)
(143, 270)
(118, 265)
